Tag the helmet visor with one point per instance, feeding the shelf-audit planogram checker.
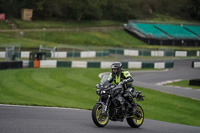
(114, 70)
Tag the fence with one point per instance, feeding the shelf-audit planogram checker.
(109, 54)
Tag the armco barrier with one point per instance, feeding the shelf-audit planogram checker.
(125, 52)
(125, 64)
(11, 65)
(25, 63)
(169, 64)
(192, 53)
(64, 64)
(196, 64)
(2, 54)
(135, 65)
(79, 64)
(128, 52)
(102, 53)
(159, 65)
(86, 54)
(30, 64)
(144, 52)
(60, 55)
(147, 65)
(169, 53)
(93, 64)
(48, 63)
(103, 64)
(181, 53)
(157, 53)
(25, 54)
(116, 51)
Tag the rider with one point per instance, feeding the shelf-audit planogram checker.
(124, 78)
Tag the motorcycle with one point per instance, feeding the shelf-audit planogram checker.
(112, 105)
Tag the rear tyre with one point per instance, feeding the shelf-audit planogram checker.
(137, 120)
(99, 119)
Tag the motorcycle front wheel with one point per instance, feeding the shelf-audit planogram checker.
(136, 121)
(98, 118)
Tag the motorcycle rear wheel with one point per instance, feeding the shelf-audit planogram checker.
(136, 121)
(99, 119)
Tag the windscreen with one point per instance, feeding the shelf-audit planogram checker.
(104, 79)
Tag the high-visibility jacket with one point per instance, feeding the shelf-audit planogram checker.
(124, 76)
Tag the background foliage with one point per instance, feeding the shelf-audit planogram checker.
(102, 9)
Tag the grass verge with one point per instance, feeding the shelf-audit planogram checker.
(4, 25)
(183, 83)
(65, 24)
(73, 87)
(110, 38)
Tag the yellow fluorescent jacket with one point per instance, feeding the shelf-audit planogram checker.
(125, 74)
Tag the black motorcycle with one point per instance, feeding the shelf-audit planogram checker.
(112, 105)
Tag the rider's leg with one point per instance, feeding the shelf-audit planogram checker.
(129, 96)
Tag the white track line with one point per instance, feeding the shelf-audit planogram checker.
(26, 106)
(169, 81)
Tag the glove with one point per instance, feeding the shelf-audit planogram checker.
(97, 86)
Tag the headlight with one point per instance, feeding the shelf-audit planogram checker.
(103, 92)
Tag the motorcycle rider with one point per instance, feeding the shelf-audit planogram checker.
(124, 78)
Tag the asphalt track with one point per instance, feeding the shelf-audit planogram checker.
(29, 119)
(24, 119)
(182, 70)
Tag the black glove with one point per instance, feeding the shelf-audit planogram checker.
(97, 86)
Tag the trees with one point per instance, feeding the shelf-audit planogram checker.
(101, 9)
(193, 8)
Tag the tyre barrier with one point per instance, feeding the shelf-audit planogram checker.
(11, 65)
(102, 64)
(194, 82)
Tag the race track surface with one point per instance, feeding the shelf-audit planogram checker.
(24, 119)
(182, 70)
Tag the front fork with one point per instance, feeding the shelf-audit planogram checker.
(104, 105)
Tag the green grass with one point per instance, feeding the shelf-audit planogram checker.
(170, 108)
(160, 18)
(16, 38)
(73, 87)
(184, 83)
(48, 87)
(93, 38)
(3, 25)
(111, 38)
(65, 24)
(116, 38)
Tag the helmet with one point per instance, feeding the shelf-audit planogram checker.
(116, 67)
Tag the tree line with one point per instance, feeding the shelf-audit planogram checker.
(102, 9)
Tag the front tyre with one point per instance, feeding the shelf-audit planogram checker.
(99, 119)
(137, 120)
